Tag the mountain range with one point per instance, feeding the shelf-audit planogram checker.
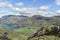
(20, 21)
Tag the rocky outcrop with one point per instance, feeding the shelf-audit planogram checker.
(3, 36)
(45, 31)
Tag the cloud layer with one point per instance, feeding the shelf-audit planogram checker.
(30, 11)
(43, 8)
(57, 2)
(24, 11)
(20, 4)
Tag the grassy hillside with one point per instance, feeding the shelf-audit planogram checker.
(28, 27)
(12, 34)
(29, 32)
(24, 33)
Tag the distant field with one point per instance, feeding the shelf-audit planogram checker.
(26, 31)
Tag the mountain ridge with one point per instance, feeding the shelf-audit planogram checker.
(17, 21)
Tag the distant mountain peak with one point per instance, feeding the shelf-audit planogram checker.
(9, 16)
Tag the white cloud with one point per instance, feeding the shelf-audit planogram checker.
(57, 2)
(46, 14)
(20, 4)
(24, 11)
(3, 4)
(57, 12)
(30, 11)
(49, 14)
(43, 8)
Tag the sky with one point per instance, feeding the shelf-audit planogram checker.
(45, 8)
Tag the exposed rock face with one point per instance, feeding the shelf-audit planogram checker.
(45, 31)
(3, 36)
